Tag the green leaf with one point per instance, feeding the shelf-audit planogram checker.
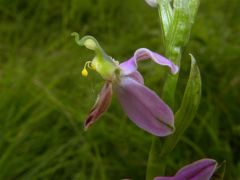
(166, 15)
(187, 110)
(183, 16)
(176, 25)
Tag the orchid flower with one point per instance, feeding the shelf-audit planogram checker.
(200, 170)
(141, 104)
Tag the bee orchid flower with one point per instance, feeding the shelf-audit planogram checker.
(200, 170)
(142, 105)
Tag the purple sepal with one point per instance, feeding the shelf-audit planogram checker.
(199, 170)
(130, 65)
(101, 105)
(144, 107)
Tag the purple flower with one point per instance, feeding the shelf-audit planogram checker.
(200, 170)
(141, 104)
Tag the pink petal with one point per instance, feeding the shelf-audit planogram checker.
(144, 107)
(130, 65)
(199, 170)
(101, 105)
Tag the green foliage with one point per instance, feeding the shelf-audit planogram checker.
(176, 21)
(44, 99)
(189, 105)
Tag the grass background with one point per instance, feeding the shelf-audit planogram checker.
(44, 100)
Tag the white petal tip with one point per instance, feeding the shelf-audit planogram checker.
(152, 3)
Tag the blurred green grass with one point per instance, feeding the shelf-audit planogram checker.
(44, 100)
